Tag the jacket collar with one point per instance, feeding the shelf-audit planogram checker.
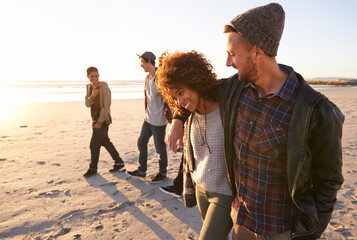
(309, 94)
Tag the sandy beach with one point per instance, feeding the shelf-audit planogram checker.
(44, 151)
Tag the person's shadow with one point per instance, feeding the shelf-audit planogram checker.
(132, 206)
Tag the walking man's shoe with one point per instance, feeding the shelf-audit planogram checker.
(137, 174)
(90, 172)
(117, 168)
(171, 190)
(158, 178)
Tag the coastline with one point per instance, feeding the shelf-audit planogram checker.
(336, 82)
(24, 92)
(45, 151)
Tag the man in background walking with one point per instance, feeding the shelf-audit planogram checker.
(98, 98)
(154, 122)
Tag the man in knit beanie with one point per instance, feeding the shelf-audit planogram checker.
(262, 26)
(282, 138)
(286, 136)
(258, 30)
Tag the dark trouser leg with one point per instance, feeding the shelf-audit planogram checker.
(159, 139)
(143, 140)
(178, 181)
(109, 146)
(94, 146)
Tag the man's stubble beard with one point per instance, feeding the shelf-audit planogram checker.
(252, 74)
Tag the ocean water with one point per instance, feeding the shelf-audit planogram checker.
(22, 92)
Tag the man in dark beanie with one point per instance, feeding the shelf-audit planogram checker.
(282, 138)
(285, 138)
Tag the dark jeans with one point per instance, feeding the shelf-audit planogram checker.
(100, 138)
(158, 132)
(178, 181)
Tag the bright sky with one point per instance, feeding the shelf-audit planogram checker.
(58, 40)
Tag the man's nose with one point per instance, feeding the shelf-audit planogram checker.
(229, 61)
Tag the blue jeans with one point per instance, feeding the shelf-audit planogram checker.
(158, 132)
(100, 138)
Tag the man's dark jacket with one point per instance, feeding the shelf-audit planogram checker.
(314, 152)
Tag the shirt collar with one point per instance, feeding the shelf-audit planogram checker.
(287, 89)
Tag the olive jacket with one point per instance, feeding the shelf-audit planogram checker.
(105, 100)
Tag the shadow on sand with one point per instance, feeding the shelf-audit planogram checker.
(151, 192)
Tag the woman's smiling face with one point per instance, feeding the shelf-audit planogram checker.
(186, 98)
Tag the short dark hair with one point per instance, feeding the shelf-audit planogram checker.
(149, 60)
(92, 69)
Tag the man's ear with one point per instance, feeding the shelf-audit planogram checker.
(258, 53)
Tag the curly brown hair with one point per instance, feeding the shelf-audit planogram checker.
(186, 69)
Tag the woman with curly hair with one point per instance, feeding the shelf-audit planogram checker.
(187, 81)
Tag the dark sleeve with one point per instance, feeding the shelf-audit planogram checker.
(182, 115)
(326, 166)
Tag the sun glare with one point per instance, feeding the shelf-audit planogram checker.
(9, 99)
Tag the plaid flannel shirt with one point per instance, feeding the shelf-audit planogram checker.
(263, 202)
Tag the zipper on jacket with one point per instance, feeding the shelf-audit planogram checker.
(296, 177)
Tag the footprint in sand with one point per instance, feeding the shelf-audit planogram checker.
(51, 194)
(352, 171)
(60, 182)
(130, 152)
(30, 190)
(349, 193)
(354, 198)
(77, 237)
(345, 231)
(339, 205)
(332, 223)
(352, 146)
(99, 227)
(348, 153)
(41, 162)
(67, 193)
(63, 231)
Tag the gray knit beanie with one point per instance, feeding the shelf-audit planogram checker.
(262, 26)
